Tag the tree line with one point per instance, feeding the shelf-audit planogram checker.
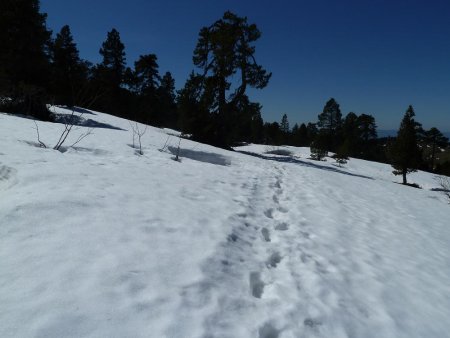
(37, 68)
(212, 106)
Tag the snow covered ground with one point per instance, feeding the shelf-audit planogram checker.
(98, 241)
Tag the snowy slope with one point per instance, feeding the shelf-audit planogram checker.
(100, 242)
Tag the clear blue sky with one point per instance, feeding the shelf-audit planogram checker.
(372, 56)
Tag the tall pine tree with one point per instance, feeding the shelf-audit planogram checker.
(69, 71)
(330, 122)
(405, 154)
(110, 75)
(225, 50)
(436, 140)
(24, 57)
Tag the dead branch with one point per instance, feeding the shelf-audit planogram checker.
(42, 144)
(138, 133)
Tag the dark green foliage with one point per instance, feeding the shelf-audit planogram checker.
(70, 73)
(272, 133)
(367, 136)
(360, 135)
(404, 154)
(330, 123)
(443, 168)
(166, 99)
(113, 52)
(434, 140)
(342, 153)
(145, 83)
(146, 73)
(284, 126)
(285, 130)
(110, 75)
(24, 57)
(318, 146)
(367, 127)
(225, 49)
(312, 132)
(194, 115)
(300, 135)
(351, 134)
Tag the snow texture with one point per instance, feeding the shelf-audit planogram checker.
(97, 241)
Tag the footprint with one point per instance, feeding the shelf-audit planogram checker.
(268, 331)
(312, 323)
(232, 238)
(282, 226)
(266, 234)
(256, 284)
(275, 199)
(283, 210)
(305, 234)
(320, 268)
(7, 176)
(269, 213)
(273, 260)
(305, 257)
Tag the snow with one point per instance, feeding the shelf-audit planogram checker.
(98, 241)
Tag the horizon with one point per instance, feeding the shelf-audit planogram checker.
(380, 63)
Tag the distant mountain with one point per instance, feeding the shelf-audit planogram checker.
(392, 132)
(386, 132)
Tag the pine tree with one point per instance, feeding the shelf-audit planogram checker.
(330, 121)
(24, 57)
(194, 117)
(342, 153)
(69, 71)
(367, 127)
(312, 132)
(225, 49)
(257, 126)
(435, 140)
(166, 98)
(147, 74)
(285, 130)
(284, 126)
(350, 134)
(111, 75)
(367, 133)
(318, 146)
(113, 52)
(405, 154)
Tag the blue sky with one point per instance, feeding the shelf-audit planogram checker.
(372, 56)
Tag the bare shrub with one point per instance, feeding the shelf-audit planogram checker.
(69, 123)
(138, 132)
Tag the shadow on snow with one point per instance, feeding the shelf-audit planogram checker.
(82, 122)
(201, 156)
(288, 159)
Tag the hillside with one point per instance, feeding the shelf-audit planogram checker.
(98, 241)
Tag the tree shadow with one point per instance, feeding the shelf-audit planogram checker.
(82, 122)
(201, 156)
(78, 110)
(289, 159)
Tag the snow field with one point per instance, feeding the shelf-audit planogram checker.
(100, 242)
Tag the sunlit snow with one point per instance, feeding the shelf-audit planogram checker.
(98, 241)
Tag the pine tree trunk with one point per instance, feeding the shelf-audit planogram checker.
(404, 177)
